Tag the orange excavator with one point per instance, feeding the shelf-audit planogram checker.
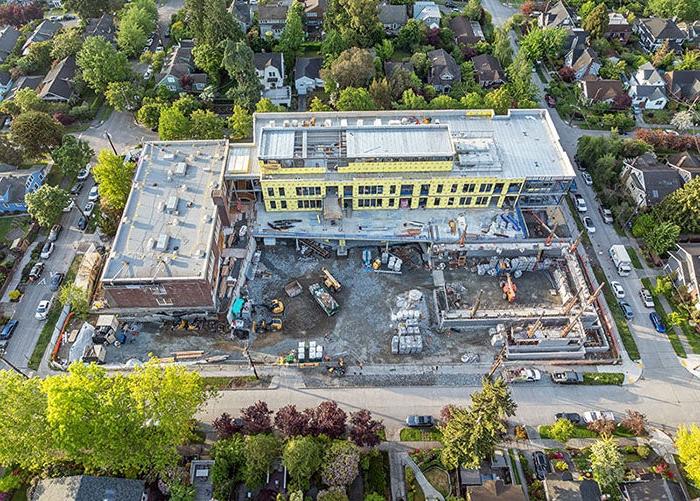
(509, 288)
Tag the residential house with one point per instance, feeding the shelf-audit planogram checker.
(566, 489)
(683, 85)
(428, 13)
(648, 181)
(495, 490)
(684, 265)
(575, 37)
(601, 91)
(444, 70)
(242, 13)
(392, 66)
(271, 19)
(88, 488)
(686, 163)
(101, 27)
(488, 70)
(393, 17)
(559, 15)
(43, 32)
(647, 88)
(14, 187)
(25, 82)
(692, 31)
(584, 61)
(5, 83)
(654, 31)
(313, 17)
(466, 32)
(178, 73)
(307, 74)
(8, 39)
(618, 28)
(57, 86)
(269, 67)
(658, 489)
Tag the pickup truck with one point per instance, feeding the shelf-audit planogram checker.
(521, 375)
(567, 377)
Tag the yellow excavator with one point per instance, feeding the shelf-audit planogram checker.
(260, 326)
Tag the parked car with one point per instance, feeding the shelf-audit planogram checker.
(541, 464)
(567, 377)
(569, 416)
(42, 310)
(70, 206)
(606, 214)
(82, 223)
(77, 188)
(590, 416)
(658, 323)
(647, 298)
(56, 281)
(551, 102)
(46, 250)
(94, 194)
(626, 310)
(580, 203)
(587, 178)
(578, 164)
(55, 231)
(617, 290)
(89, 207)
(8, 329)
(588, 223)
(3, 346)
(36, 271)
(420, 421)
(84, 173)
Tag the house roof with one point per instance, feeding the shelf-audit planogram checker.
(8, 39)
(272, 12)
(488, 68)
(686, 161)
(315, 5)
(683, 84)
(651, 92)
(44, 31)
(570, 490)
(662, 29)
(87, 488)
(392, 14)
(264, 59)
(241, 11)
(426, 10)
(5, 78)
(27, 81)
(617, 19)
(648, 75)
(557, 15)
(659, 179)
(583, 57)
(59, 81)
(180, 62)
(391, 66)
(442, 63)
(694, 251)
(602, 90)
(466, 31)
(495, 490)
(308, 67)
(653, 490)
(101, 27)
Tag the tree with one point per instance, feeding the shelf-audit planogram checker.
(328, 419)
(36, 133)
(683, 120)
(444, 102)
(124, 96)
(472, 10)
(663, 56)
(607, 463)
(664, 236)
(206, 124)
(562, 430)
(293, 34)
(520, 84)
(260, 453)
(225, 426)
(381, 92)
(66, 43)
(317, 105)
(38, 58)
(332, 494)
(137, 20)
(586, 9)
(688, 445)
(208, 58)
(602, 427)
(100, 64)
(498, 99)
(241, 123)
(384, 50)
(412, 101)
(25, 99)
(173, 125)
(472, 101)
(596, 22)
(257, 418)
(149, 113)
(266, 106)
(114, 176)
(16, 14)
(302, 456)
(219, 24)
(635, 422)
(543, 43)
(567, 74)
(411, 35)
(89, 8)
(340, 464)
(613, 71)
(690, 61)
(46, 204)
(364, 430)
(290, 422)
(238, 62)
(9, 153)
(229, 460)
(683, 9)
(357, 21)
(73, 155)
(332, 45)
(352, 68)
(353, 99)
(501, 48)
(77, 297)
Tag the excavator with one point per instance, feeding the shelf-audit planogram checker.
(329, 280)
(509, 288)
(263, 325)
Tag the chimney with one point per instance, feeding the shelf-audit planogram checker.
(218, 195)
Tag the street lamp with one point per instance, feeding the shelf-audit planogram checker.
(108, 136)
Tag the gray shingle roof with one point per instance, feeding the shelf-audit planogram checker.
(488, 68)
(59, 81)
(308, 67)
(683, 84)
(442, 63)
(662, 29)
(265, 59)
(87, 488)
(392, 14)
(8, 39)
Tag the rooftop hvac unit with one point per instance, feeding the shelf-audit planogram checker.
(327, 122)
(151, 243)
(171, 203)
(360, 122)
(181, 168)
(377, 122)
(161, 206)
(343, 122)
(162, 243)
(271, 123)
(285, 123)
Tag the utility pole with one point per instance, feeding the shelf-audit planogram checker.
(109, 138)
(13, 367)
(252, 364)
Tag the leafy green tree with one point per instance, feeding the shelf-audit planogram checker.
(412, 101)
(238, 62)
(688, 445)
(77, 297)
(340, 464)
(114, 176)
(9, 153)
(241, 123)
(613, 71)
(472, 10)
(38, 58)
(683, 9)
(411, 35)
(663, 237)
(520, 85)
(205, 124)
(381, 92)
(444, 102)
(643, 225)
(354, 99)
(208, 58)
(607, 463)
(303, 457)
(332, 494)
(90, 8)
(562, 430)
(332, 45)
(596, 22)
(317, 105)
(356, 20)
(543, 43)
(352, 68)
(219, 24)
(25, 99)
(73, 155)
(260, 453)
(266, 106)
(66, 43)
(384, 50)
(131, 37)
(586, 8)
(124, 96)
(690, 61)
(46, 204)
(101, 64)
(663, 57)
(501, 48)
(36, 133)
(149, 113)
(499, 100)
(293, 34)
(373, 496)
(472, 101)
(229, 461)
(173, 125)
(682, 207)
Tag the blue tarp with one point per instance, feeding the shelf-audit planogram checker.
(236, 307)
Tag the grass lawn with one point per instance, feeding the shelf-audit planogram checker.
(579, 432)
(658, 117)
(670, 330)
(439, 479)
(634, 257)
(9, 223)
(230, 383)
(419, 435)
(601, 378)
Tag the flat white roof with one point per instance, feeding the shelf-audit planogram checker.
(168, 223)
(399, 141)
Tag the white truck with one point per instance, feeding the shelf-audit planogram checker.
(621, 259)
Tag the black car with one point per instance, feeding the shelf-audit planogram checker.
(56, 280)
(569, 416)
(9, 329)
(82, 223)
(420, 421)
(541, 464)
(567, 377)
(77, 188)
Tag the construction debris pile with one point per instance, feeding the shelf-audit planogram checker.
(505, 225)
(517, 265)
(408, 314)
